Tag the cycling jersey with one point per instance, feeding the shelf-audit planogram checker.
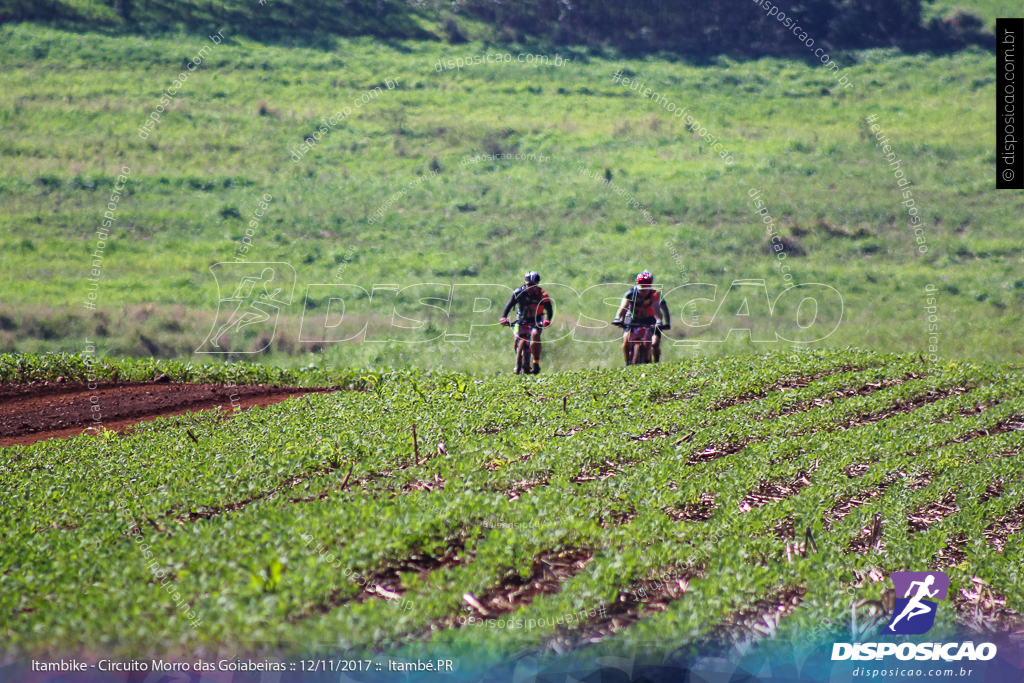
(644, 305)
(530, 302)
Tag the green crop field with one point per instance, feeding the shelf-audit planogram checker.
(74, 103)
(704, 501)
(839, 397)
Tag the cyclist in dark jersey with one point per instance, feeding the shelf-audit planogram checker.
(531, 303)
(642, 305)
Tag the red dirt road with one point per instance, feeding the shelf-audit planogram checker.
(46, 410)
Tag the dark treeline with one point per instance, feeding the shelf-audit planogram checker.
(270, 20)
(695, 27)
(727, 26)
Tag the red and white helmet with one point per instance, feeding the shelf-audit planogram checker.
(645, 278)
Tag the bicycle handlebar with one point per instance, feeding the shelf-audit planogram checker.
(633, 326)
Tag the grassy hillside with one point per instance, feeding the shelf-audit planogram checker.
(74, 102)
(670, 504)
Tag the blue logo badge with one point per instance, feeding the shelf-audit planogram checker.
(914, 613)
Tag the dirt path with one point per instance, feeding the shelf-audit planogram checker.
(46, 410)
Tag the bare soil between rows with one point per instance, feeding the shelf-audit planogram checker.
(57, 410)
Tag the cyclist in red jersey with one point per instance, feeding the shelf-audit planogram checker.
(642, 305)
(532, 303)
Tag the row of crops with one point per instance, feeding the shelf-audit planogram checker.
(71, 367)
(697, 502)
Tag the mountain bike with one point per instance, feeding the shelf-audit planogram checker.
(641, 341)
(523, 330)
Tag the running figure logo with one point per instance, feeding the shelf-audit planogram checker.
(914, 613)
(256, 293)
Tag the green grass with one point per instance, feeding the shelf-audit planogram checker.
(242, 519)
(73, 103)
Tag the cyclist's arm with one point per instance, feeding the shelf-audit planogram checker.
(549, 309)
(666, 317)
(622, 308)
(508, 306)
